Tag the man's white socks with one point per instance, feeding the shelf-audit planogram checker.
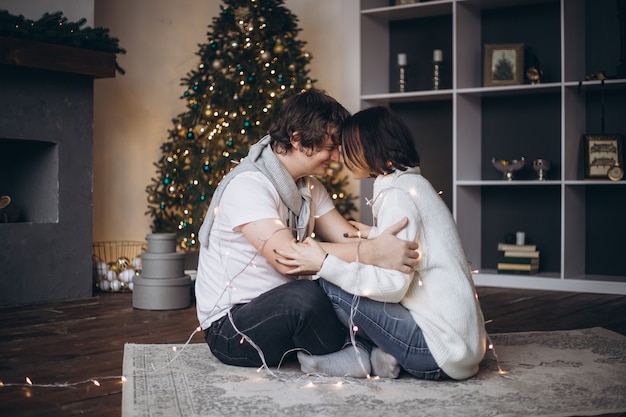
(383, 364)
(346, 362)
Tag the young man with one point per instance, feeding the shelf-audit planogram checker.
(251, 311)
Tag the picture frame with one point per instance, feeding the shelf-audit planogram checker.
(504, 64)
(601, 153)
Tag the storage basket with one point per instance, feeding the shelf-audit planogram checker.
(116, 263)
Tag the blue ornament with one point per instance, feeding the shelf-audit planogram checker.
(166, 181)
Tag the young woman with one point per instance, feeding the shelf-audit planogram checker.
(428, 322)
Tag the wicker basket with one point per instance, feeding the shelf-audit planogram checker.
(116, 263)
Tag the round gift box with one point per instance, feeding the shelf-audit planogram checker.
(161, 242)
(162, 265)
(161, 294)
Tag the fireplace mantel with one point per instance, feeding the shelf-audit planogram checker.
(47, 56)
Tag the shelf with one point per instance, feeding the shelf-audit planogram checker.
(603, 285)
(597, 85)
(511, 90)
(593, 183)
(411, 96)
(499, 4)
(409, 11)
(504, 183)
(460, 128)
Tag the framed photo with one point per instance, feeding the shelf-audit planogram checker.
(602, 152)
(504, 64)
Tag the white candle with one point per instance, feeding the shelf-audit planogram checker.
(402, 59)
(437, 55)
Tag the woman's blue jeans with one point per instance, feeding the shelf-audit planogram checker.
(294, 316)
(389, 326)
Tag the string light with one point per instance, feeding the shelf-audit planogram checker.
(354, 329)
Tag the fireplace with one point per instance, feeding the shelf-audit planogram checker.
(46, 129)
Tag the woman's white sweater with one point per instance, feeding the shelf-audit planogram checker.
(440, 294)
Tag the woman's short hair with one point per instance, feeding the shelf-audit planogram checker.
(313, 114)
(377, 140)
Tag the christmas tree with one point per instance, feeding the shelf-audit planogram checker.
(252, 62)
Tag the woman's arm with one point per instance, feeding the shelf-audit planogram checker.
(379, 284)
(387, 250)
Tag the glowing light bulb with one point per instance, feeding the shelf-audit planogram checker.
(96, 383)
(355, 328)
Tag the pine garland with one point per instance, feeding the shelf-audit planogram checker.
(56, 29)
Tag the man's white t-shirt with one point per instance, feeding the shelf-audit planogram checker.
(231, 271)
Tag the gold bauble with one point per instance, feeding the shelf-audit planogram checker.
(112, 266)
(152, 198)
(123, 263)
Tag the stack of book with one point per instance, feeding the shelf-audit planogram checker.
(518, 259)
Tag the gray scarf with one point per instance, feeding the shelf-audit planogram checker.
(295, 195)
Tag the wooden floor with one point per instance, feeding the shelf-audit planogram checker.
(79, 340)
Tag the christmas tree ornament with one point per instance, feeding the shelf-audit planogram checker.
(122, 263)
(127, 275)
(111, 274)
(116, 285)
(104, 285)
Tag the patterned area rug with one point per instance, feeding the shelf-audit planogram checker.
(564, 373)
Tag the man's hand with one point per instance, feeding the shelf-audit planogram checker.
(306, 258)
(387, 251)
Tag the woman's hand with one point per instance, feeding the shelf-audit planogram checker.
(306, 258)
(387, 251)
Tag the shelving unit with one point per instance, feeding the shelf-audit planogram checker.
(578, 224)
